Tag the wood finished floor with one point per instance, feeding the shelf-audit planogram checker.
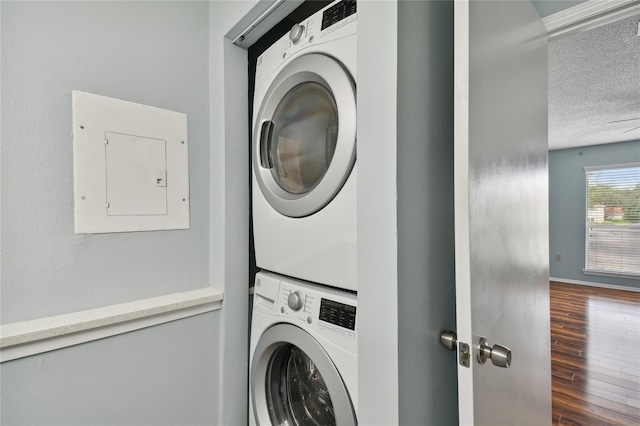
(595, 355)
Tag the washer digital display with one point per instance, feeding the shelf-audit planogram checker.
(337, 313)
(337, 13)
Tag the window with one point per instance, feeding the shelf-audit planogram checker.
(613, 220)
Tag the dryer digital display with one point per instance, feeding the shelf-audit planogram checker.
(337, 13)
(337, 313)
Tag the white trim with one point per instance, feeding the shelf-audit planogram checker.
(588, 15)
(25, 338)
(251, 27)
(461, 93)
(591, 284)
(610, 274)
(611, 166)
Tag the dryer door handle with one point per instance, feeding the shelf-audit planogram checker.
(266, 132)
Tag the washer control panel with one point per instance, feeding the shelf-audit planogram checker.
(337, 313)
(329, 312)
(295, 301)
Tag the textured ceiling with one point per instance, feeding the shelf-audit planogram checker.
(594, 86)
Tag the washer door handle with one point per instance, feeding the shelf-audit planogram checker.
(266, 132)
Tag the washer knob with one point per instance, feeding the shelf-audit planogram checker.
(295, 301)
(296, 33)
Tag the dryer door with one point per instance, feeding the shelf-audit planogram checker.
(304, 138)
(294, 382)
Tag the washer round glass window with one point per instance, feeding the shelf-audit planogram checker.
(296, 392)
(304, 137)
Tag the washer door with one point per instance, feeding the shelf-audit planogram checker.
(304, 138)
(295, 383)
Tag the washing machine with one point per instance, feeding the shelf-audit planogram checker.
(303, 354)
(304, 150)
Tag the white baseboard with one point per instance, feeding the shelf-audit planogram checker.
(590, 284)
(26, 338)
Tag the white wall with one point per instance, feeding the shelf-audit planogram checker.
(155, 53)
(377, 213)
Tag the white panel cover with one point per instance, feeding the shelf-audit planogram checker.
(131, 167)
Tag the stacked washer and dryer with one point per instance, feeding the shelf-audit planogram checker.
(304, 329)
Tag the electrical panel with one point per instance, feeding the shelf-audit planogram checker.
(131, 166)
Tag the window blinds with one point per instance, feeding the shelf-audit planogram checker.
(613, 219)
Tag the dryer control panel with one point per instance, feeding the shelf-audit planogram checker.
(336, 12)
(336, 21)
(325, 311)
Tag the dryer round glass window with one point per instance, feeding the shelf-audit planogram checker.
(304, 138)
(296, 392)
(305, 132)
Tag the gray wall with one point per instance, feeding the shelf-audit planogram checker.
(155, 53)
(567, 195)
(426, 281)
(162, 375)
(548, 7)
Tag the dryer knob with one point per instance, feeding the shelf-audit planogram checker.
(296, 33)
(295, 301)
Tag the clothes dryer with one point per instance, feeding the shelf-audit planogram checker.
(303, 349)
(304, 150)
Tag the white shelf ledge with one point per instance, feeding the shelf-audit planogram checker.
(27, 338)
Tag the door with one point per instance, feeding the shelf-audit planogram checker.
(305, 135)
(501, 213)
(295, 383)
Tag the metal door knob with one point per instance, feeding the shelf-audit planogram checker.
(500, 355)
